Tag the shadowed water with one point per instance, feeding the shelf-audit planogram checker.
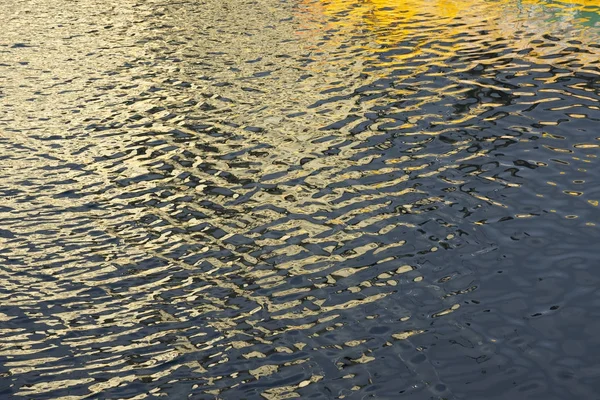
(305, 198)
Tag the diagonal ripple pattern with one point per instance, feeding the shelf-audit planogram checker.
(263, 199)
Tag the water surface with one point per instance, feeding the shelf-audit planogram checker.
(302, 198)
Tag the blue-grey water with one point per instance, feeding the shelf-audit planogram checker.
(321, 199)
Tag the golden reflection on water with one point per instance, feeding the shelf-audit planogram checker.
(390, 14)
(392, 21)
(221, 189)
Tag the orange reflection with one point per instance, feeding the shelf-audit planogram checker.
(380, 25)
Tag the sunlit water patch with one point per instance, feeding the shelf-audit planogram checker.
(321, 199)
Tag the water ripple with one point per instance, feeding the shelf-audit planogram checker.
(279, 199)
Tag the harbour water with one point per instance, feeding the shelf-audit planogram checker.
(324, 199)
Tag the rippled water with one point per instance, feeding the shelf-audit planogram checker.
(317, 199)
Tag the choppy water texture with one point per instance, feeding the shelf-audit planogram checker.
(318, 199)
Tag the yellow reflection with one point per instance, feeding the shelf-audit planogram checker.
(391, 22)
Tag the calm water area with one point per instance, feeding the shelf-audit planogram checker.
(314, 199)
